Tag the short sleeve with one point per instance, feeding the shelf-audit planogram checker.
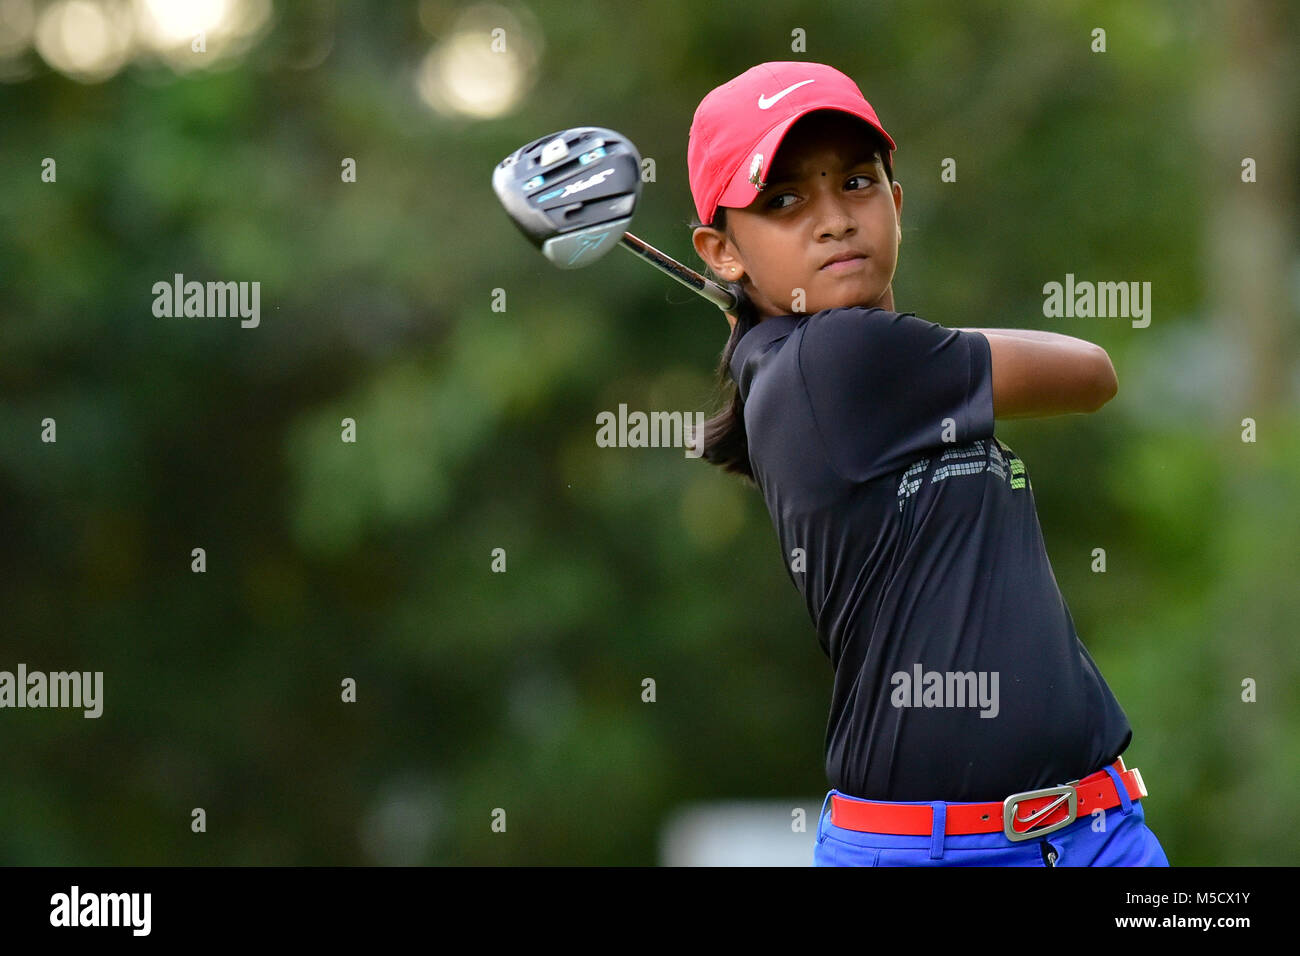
(887, 388)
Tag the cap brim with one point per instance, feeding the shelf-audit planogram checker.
(741, 191)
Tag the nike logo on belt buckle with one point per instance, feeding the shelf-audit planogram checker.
(1064, 794)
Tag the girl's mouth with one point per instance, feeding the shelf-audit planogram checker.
(844, 265)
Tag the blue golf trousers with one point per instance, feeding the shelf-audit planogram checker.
(1123, 840)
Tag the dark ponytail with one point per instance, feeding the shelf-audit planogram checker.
(725, 442)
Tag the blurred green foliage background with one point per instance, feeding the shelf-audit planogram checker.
(475, 428)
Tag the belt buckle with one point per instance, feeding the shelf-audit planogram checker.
(1066, 792)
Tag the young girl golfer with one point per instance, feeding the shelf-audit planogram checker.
(968, 724)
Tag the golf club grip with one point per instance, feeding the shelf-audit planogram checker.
(688, 277)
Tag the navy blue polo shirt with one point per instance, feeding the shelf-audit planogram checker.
(912, 534)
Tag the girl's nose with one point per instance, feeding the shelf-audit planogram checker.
(833, 216)
(834, 224)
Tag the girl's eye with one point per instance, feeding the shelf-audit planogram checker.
(773, 203)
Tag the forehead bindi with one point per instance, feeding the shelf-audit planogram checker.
(839, 160)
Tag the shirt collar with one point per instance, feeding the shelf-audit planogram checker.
(754, 343)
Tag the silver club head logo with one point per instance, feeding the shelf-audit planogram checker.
(582, 184)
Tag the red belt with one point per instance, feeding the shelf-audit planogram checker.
(1020, 816)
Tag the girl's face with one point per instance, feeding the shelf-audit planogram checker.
(826, 194)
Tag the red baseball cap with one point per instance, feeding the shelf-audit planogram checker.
(739, 126)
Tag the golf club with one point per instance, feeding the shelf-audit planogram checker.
(537, 184)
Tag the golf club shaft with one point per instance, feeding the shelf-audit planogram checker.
(688, 277)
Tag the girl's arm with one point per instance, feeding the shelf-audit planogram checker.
(1036, 374)
(1034, 335)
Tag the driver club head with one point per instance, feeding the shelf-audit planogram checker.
(572, 193)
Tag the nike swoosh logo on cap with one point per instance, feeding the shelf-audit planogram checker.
(765, 102)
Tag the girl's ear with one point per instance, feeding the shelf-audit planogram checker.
(711, 245)
(898, 208)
